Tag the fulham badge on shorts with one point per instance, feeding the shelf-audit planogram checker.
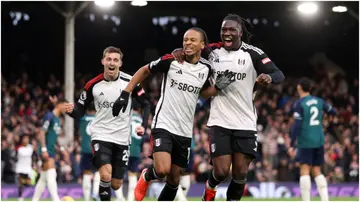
(96, 147)
(158, 142)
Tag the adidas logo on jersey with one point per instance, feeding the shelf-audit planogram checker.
(179, 72)
(101, 93)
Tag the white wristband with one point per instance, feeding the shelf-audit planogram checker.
(43, 149)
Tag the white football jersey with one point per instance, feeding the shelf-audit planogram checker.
(24, 159)
(233, 107)
(180, 90)
(106, 127)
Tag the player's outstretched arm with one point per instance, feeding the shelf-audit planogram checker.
(138, 77)
(267, 70)
(122, 101)
(160, 65)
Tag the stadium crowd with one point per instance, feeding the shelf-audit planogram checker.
(25, 101)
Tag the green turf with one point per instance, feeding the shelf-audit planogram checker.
(243, 199)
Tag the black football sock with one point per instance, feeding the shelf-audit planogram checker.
(168, 193)
(213, 182)
(151, 174)
(235, 190)
(105, 191)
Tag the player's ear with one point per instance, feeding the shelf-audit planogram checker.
(120, 63)
(202, 45)
(102, 61)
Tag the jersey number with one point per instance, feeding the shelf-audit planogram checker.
(125, 157)
(314, 115)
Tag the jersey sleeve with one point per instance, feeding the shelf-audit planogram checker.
(208, 51)
(161, 65)
(328, 108)
(264, 65)
(209, 78)
(47, 121)
(140, 95)
(85, 99)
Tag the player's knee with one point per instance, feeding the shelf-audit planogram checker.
(105, 176)
(221, 174)
(116, 184)
(162, 170)
(239, 177)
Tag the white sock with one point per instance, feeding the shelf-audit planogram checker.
(185, 182)
(305, 186)
(132, 185)
(86, 186)
(40, 186)
(52, 184)
(180, 194)
(119, 194)
(96, 184)
(322, 187)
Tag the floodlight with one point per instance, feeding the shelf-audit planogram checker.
(307, 8)
(105, 3)
(139, 3)
(339, 9)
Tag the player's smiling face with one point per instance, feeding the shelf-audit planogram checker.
(231, 34)
(192, 42)
(112, 63)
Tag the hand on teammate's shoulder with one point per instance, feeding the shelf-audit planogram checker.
(179, 55)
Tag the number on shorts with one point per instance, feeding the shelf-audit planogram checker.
(314, 115)
(126, 156)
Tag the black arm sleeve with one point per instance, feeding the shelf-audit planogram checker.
(83, 102)
(161, 65)
(263, 64)
(140, 95)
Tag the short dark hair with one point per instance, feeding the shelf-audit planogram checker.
(203, 34)
(241, 21)
(306, 84)
(207, 50)
(113, 49)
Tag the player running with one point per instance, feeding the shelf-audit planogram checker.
(86, 157)
(109, 135)
(308, 130)
(233, 115)
(48, 137)
(173, 121)
(23, 167)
